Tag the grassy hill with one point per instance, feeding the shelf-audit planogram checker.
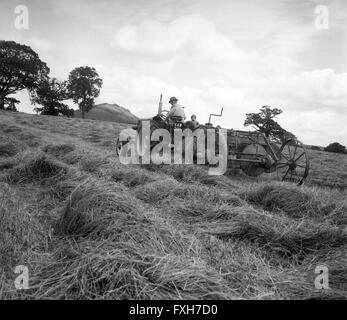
(88, 227)
(109, 112)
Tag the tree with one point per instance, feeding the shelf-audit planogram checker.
(336, 147)
(84, 85)
(11, 104)
(316, 148)
(20, 68)
(50, 94)
(264, 122)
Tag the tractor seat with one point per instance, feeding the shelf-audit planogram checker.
(177, 122)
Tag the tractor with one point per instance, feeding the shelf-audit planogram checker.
(251, 151)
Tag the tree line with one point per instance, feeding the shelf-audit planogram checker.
(21, 68)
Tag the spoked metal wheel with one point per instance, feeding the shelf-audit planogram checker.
(293, 163)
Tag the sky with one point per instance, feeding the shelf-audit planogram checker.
(239, 55)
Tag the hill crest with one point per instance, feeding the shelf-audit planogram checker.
(109, 112)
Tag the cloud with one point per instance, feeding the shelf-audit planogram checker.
(154, 37)
(189, 57)
(42, 45)
(236, 55)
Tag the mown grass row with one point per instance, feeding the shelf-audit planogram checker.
(162, 232)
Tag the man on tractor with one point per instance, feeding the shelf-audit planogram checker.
(176, 113)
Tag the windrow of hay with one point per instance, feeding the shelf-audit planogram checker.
(120, 251)
(99, 208)
(108, 270)
(108, 212)
(36, 167)
(63, 188)
(280, 235)
(30, 139)
(249, 271)
(7, 164)
(197, 209)
(158, 190)
(182, 172)
(58, 150)
(10, 146)
(191, 174)
(91, 162)
(294, 201)
(18, 230)
(132, 176)
(8, 149)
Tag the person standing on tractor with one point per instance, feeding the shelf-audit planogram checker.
(176, 113)
(192, 124)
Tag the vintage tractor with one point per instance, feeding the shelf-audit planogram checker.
(252, 152)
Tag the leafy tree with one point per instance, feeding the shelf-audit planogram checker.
(50, 94)
(20, 68)
(11, 104)
(264, 122)
(84, 85)
(336, 147)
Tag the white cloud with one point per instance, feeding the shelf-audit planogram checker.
(190, 58)
(236, 55)
(154, 37)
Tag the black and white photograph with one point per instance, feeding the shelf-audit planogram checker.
(173, 151)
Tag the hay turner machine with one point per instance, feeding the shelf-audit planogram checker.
(252, 152)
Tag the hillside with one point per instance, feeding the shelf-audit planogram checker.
(109, 112)
(88, 227)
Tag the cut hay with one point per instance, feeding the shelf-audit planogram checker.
(58, 150)
(132, 177)
(193, 174)
(182, 172)
(158, 190)
(36, 168)
(155, 191)
(294, 201)
(104, 210)
(111, 271)
(197, 210)
(92, 162)
(280, 235)
(19, 232)
(10, 147)
(30, 139)
(6, 164)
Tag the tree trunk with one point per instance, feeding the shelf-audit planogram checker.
(2, 102)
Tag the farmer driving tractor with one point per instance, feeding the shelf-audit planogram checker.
(176, 113)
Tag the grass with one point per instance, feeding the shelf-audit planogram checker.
(89, 227)
(295, 202)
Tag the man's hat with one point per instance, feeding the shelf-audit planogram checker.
(173, 99)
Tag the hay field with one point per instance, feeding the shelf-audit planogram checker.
(88, 227)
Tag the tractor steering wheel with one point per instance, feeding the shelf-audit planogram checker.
(163, 116)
